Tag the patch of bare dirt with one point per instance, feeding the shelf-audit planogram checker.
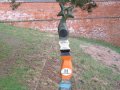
(44, 66)
(50, 77)
(103, 54)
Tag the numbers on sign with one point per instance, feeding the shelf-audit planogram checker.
(66, 71)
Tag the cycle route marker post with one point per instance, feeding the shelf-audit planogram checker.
(66, 67)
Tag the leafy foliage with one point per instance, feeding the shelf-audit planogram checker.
(14, 5)
(83, 4)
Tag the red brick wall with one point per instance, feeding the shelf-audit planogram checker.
(107, 29)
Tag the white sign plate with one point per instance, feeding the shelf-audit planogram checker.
(66, 71)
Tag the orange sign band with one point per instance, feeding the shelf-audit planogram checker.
(66, 68)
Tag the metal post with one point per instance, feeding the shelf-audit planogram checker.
(66, 67)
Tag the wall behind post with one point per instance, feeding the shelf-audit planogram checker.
(103, 23)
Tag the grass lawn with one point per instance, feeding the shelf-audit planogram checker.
(23, 53)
